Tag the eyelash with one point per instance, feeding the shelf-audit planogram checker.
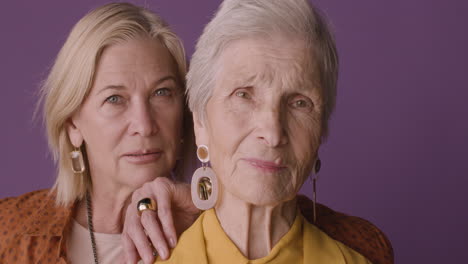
(243, 94)
(309, 105)
(167, 90)
(108, 99)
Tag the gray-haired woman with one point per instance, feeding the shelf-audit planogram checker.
(262, 86)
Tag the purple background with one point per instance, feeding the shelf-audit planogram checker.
(397, 152)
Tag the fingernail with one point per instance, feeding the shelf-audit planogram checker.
(172, 242)
(163, 253)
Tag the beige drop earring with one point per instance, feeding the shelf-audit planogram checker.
(77, 161)
(204, 187)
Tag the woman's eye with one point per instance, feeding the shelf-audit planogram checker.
(163, 92)
(303, 104)
(114, 99)
(243, 94)
(300, 103)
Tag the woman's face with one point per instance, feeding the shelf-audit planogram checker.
(262, 122)
(131, 120)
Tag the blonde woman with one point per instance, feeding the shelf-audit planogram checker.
(114, 112)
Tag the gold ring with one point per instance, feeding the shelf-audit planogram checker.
(146, 204)
(155, 253)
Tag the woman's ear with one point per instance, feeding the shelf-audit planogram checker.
(200, 129)
(74, 133)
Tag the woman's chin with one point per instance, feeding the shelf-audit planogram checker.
(264, 196)
(260, 189)
(138, 176)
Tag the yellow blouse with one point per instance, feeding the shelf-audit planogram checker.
(206, 242)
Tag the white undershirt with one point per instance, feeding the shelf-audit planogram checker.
(79, 250)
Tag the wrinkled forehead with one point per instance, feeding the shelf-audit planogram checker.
(276, 59)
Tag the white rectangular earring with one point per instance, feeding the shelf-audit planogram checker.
(77, 161)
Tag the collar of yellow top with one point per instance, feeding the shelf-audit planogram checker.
(219, 246)
(206, 242)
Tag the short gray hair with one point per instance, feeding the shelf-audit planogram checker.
(236, 19)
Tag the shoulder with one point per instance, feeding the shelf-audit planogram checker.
(331, 250)
(29, 224)
(27, 199)
(14, 210)
(32, 213)
(354, 232)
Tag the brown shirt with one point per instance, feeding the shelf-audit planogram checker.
(356, 233)
(33, 230)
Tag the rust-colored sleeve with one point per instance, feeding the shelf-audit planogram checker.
(354, 232)
(29, 232)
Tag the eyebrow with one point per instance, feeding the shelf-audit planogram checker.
(121, 86)
(304, 86)
(246, 81)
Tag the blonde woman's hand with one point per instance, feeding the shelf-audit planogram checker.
(159, 229)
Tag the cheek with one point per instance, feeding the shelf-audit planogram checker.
(227, 126)
(169, 118)
(110, 111)
(231, 112)
(101, 124)
(102, 130)
(102, 138)
(169, 121)
(305, 144)
(305, 132)
(229, 120)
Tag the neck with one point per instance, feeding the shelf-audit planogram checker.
(108, 205)
(255, 230)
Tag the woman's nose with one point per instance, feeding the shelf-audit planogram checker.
(272, 128)
(143, 120)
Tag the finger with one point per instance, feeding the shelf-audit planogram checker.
(135, 230)
(142, 244)
(165, 191)
(153, 230)
(132, 227)
(130, 252)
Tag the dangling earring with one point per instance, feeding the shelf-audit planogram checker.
(317, 166)
(77, 161)
(204, 183)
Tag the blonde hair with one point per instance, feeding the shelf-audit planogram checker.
(237, 19)
(72, 75)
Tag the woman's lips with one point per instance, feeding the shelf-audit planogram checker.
(266, 166)
(143, 157)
